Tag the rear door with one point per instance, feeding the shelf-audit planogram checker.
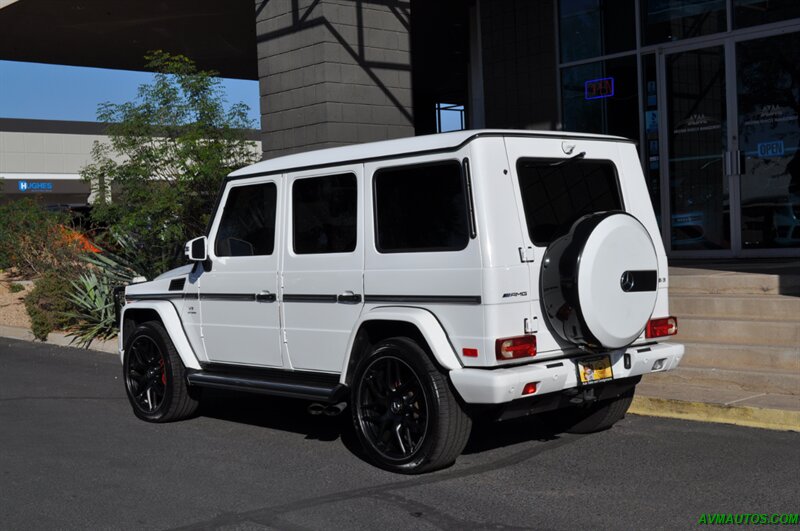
(323, 265)
(556, 182)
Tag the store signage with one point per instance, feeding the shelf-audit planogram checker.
(770, 149)
(594, 89)
(28, 186)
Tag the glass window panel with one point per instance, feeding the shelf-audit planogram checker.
(591, 28)
(697, 139)
(651, 148)
(672, 20)
(324, 214)
(601, 97)
(247, 227)
(748, 13)
(421, 208)
(556, 194)
(768, 94)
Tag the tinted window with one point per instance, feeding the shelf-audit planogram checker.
(555, 195)
(324, 214)
(247, 227)
(421, 208)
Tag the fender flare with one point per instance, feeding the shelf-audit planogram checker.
(430, 328)
(172, 323)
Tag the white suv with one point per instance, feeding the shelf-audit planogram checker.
(418, 281)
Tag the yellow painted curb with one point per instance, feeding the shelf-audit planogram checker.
(770, 419)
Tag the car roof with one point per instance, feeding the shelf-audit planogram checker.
(398, 147)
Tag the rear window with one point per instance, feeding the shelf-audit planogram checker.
(555, 193)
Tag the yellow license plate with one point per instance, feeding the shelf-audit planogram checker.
(594, 370)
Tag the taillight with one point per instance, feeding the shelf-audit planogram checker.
(515, 347)
(529, 388)
(666, 326)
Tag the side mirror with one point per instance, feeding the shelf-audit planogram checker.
(197, 249)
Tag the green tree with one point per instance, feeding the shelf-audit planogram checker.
(167, 155)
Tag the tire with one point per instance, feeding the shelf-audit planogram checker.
(406, 417)
(598, 416)
(155, 377)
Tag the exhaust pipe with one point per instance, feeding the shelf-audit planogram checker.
(316, 409)
(335, 409)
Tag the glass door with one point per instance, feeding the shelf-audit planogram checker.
(768, 161)
(697, 166)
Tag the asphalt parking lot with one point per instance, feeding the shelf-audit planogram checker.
(73, 456)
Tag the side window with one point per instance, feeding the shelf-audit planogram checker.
(247, 227)
(324, 214)
(556, 193)
(421, 208)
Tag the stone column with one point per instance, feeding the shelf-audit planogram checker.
(333, 72)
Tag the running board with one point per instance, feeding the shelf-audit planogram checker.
(277, 382)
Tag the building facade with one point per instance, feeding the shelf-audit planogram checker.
(709, 89)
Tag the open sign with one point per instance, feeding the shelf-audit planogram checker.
(598, 88)
(770, 149)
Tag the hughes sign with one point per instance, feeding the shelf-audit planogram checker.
(34, 186)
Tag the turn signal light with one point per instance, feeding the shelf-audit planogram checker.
(515, 347)
(666, 326)
(529, 388)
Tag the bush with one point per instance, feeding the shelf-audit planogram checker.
(92, 295)
(34, 241)
(15, 287)
(48, 305)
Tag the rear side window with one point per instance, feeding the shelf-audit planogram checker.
(555, 193)
(421, 208)
(247, 227)
(324, 214)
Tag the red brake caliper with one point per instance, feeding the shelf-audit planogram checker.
(163, 372)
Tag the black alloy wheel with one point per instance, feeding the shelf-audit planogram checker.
(145, 374)
(405, 414)
(155, 377)
(392, 408)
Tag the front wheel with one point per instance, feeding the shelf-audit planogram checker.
(155, 377)
(406, 416)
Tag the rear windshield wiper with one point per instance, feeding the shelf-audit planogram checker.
(564, 162)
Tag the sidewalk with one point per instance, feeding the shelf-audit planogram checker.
(710, 395)
(706, 395)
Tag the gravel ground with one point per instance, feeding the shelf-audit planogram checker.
(12, 309)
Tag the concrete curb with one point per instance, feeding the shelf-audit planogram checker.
(770, 419)
(56, 338)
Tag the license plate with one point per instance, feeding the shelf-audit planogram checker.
(594, 370)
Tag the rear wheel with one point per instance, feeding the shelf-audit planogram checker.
(155, 377)
(406, 417)
(598, 416)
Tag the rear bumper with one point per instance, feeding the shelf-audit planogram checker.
(500, 386)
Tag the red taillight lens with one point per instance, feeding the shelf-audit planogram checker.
(666, 326)
(515, 347)
(470, 352)
(529, 388)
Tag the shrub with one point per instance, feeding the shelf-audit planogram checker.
(15, 287)
(34, 241)
(92, 294)
(48, 306)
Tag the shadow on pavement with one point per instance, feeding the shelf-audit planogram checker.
(291, 415)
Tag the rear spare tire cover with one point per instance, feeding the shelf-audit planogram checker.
(599, 282)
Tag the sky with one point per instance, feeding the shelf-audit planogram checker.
(56, 92)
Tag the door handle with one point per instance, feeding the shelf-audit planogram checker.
(348, 297)
(265, 296)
